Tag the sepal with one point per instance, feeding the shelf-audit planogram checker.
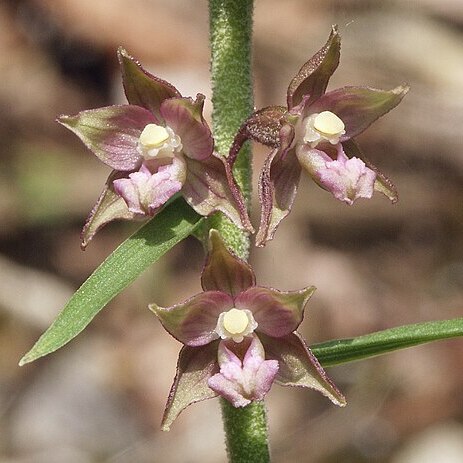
(299, 367)
(193, 322)
(358, 107)
(312, 79)
(111, 133)
(278, 184)
(210, 187)
(109, 206)
(223, 270)
(195, 366)
(142, 88)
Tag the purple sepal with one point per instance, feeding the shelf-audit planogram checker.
(358, 107)
(223, 270)
(278, 184)
(312, 79)
(111, 133)
(299, 367)
(243, 378)
(142, 88)
(193, 322)
(109, 206)
(195, 366)
(210, 187)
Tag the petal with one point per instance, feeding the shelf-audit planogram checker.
(277, 186)
(193, 322)
(243, 381)
(224, 271)
(185, 117)
(358, 107)
(382, 184)
(277, 313)
(110, 206)
(211, 187)
(228, 383)
(141, 87)
(111, 133)
(227, 388)
(299, 367)
(146, 192)
(264, 377)
(262, 126)
(312, 79)
(312, 160)
(195, 366)
(347, 179)
(162, 188)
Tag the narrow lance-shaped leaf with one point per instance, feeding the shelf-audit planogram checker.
(131, 258)
(340, 351)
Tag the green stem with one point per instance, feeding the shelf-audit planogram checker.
(246, 430)
(232, 99)
(230, 24)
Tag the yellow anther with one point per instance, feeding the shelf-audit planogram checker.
(153, 136)
(328, 123)
(235, 321)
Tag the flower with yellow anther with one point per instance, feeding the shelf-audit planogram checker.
(239, 338)
(157, 141)
(304, 134)
(324, 126)
(159, 145)
(235, 324)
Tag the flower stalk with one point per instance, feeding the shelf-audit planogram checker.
(232, 98)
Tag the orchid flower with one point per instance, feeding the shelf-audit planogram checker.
(238, 338)
(315, 133)
(158, 145)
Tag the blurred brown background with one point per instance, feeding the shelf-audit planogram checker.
(101, 398)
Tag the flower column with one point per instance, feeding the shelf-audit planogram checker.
(232, 98)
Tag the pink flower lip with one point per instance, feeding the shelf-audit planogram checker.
(347, 179)
(145, 192)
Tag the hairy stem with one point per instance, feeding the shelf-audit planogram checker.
(232, 99)
(246, 431)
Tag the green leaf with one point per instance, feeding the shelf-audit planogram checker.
(341, 351)
(121, 267)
